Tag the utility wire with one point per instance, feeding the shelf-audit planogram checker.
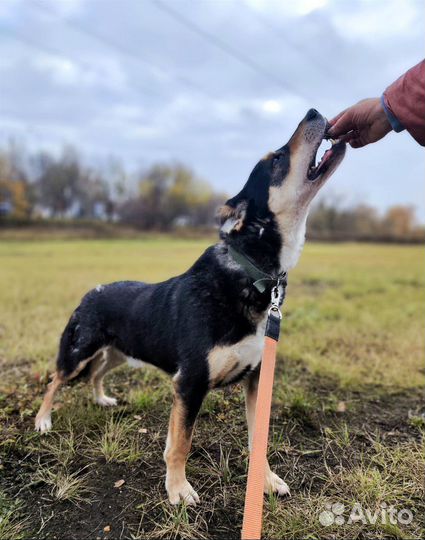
(30, 42)
(226, 48)
(123, 50)
(313, 58)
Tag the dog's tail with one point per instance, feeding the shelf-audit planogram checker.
(80, 341)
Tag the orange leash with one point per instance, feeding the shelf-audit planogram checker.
(254, 498)
(253, 513)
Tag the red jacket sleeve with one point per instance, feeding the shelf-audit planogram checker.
(405, 99)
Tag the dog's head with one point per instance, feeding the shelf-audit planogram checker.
(283, 184)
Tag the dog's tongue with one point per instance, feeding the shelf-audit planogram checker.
(325, 158)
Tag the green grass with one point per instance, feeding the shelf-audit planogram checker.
(352, 311)
(346, 427)
(11, 523)
(42, 283)
(119, 441)
(355, 312)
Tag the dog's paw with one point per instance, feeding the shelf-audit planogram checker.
(274, 484)
(182, 492)
(43, 423)
(105, 401)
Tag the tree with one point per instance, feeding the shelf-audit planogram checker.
(65, 186)
(366, 221)
(58, 180)
(169, 194)
(15, 196)
(399, 222)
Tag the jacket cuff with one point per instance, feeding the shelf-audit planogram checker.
(393, 120)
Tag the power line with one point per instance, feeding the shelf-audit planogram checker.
(127, 52)
(226, 48)
(30, 42)
(313, 58)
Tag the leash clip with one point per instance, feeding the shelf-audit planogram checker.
(277, 296)
(275, 310)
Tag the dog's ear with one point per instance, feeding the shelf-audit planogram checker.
(232, 218)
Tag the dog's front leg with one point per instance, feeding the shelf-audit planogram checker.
(273, 483)
(186, 405)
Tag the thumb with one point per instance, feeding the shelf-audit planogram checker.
(343, 124)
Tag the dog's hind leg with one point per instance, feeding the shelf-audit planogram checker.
(43, 420)
(188, 397)
(273, 483)
(80, 344)
(109, 359)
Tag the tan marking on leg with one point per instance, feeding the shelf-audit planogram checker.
(272, 483)
(107, 360)
(179, 440)
(43, 420)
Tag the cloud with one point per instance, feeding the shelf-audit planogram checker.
(271, 106)
(64, 71)
(8, 8)
(66, 7)
(298, 8)
(377, 20)
(137, 84)
(61, 70)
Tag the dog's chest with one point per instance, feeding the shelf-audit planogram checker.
(229, 363)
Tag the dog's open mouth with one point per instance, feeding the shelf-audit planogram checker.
(314, 171)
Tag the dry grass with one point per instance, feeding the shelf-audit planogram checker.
(64, 485)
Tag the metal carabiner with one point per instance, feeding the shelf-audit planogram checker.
(277, 294)
(276, 300)
(275, 309)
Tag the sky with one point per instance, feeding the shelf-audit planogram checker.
(214, 84)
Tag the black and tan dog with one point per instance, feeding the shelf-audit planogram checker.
(205, 327)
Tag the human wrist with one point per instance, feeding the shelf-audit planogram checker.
(393, 121)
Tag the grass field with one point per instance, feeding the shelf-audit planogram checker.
(347, 421)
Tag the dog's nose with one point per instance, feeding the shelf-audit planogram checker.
(312, 114)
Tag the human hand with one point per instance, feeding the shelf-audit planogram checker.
(361, 124)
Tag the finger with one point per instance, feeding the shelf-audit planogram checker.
(348, 136)
(336, 118)
(343, 125)
(357, 143)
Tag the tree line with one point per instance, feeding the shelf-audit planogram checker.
(164, 197)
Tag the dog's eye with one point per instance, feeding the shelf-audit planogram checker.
(276, 159)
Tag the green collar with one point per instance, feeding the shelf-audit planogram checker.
(260, 278)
